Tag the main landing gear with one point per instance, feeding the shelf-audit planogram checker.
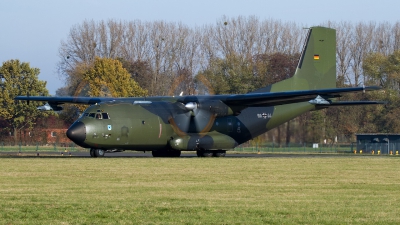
(94, 152)
(200, 153)
(166, 153)
(210, 153)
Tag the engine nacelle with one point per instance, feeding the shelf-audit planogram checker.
(216, 107)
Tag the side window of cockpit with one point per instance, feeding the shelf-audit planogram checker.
(92, 115)
(105, 116)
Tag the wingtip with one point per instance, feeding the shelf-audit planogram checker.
(372, 88)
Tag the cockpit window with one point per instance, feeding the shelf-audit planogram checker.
(105, 116)
(98, 115)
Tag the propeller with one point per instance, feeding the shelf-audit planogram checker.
(195, 117)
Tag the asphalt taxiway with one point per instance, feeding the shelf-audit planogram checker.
(134, 154)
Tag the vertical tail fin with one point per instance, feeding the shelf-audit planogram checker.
(317, 64)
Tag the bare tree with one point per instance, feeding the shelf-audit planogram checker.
(136, 43)
(343, 56)
(110, 40)
(360, 46)
(396, 39)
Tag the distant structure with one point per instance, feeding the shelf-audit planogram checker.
(378, 143)
(41, 136)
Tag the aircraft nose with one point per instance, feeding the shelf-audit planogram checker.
(77, 133)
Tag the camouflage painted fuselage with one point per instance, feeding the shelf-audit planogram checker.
(161, 125)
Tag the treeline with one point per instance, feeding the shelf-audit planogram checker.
(158, 53)
(164, 58)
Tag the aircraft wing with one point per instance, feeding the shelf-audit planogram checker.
(54, 102)
(62, 100)
(317, 97)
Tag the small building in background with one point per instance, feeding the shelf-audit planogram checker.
(384, 143)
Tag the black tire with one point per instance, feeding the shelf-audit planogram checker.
(92, 152)
(156, 153)
(99, 152)
(199, 153)
(220, 153)
(174, 154)
(208, 153)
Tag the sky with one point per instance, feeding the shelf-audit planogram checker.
(32, 31)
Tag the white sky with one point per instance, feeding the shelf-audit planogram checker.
(31, 31)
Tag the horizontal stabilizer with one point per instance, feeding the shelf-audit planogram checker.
(281, 98)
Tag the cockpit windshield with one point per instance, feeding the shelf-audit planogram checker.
(97, 115)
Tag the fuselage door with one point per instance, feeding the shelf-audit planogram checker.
(146, 130)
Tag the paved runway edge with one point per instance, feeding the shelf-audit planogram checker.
(132, 154)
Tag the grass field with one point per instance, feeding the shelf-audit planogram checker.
(271, 190)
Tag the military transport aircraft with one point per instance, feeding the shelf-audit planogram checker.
(213, 124)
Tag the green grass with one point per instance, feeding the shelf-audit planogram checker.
(271, 190)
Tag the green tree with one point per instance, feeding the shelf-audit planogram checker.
(107, 77)
(18, 78)
(384, 70)
(232, 75)
(315, 126)
(104, 77)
